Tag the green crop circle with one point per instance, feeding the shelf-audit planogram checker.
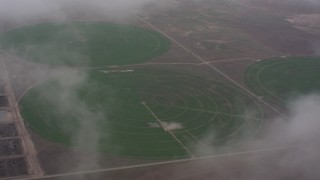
(84, 44)
(120, 109)
(281, 79)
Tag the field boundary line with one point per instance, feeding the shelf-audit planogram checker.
(212, 67)
(264, 150)
(167, 130)
(34, 168)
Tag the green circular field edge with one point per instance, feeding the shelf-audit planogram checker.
(68, 145)
(164, 50)
(250, 81)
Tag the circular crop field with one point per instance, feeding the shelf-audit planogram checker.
(145, 113)
(84, 44)
(283, 78)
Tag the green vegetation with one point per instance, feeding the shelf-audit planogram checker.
(148, 113)
(84, 44)
(113, 101)
(283, 78)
